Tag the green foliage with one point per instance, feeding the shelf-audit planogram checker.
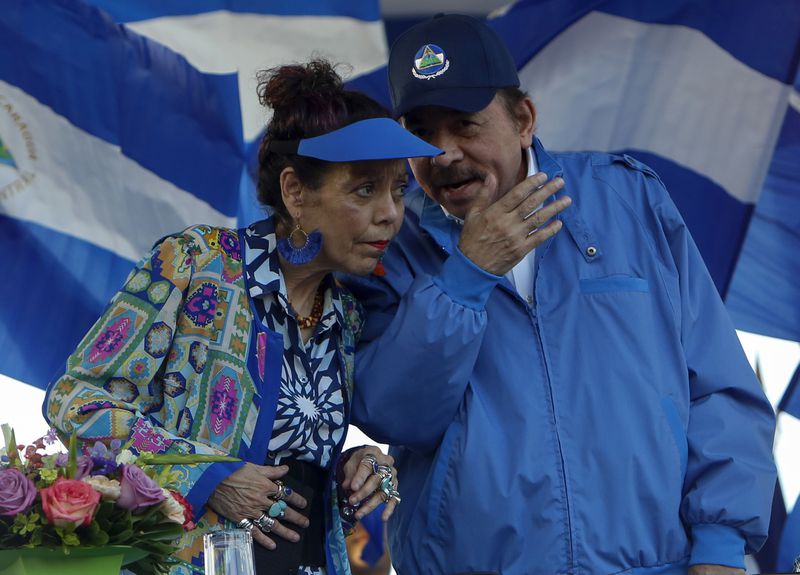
(112, 525)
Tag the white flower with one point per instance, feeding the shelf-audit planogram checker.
(171, 508)
(107, 488)
(126, 457)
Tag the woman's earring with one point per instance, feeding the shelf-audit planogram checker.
(309, 245)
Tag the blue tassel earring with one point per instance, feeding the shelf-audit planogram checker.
(308, 250)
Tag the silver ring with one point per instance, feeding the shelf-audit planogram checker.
(383, 471)
(245, 524)
(369, 461)
(282, 492)
(388, 492)
(387, 488)
(265, 523)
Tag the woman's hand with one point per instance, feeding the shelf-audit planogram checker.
(365, 484)
(244, 495)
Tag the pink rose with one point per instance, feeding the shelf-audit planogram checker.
(69, 502)
(17, 492)
(137, 489)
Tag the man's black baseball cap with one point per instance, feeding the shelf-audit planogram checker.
(451, 60)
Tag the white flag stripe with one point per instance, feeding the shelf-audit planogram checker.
(620, 84)
(225, 42)
(794, 100)
(85, 187)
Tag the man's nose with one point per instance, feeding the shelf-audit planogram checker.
(452, 152)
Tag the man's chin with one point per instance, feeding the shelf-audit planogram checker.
(456, 203)
(458, 206)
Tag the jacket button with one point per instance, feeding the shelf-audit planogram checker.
(591, 251)
(272, 455)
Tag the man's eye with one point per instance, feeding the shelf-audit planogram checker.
(364, 191)
(419, 132)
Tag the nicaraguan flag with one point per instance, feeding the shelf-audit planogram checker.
(702, 92)
(112, 136)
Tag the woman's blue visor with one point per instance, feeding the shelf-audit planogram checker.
(372, 139)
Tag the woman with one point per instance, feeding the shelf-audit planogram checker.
(241, 342)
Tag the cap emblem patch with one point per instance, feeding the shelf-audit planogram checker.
(430, 62)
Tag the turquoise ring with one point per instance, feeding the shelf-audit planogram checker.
(276, 509)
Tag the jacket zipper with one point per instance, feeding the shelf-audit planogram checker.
(534, 315)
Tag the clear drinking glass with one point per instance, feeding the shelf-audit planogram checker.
(229, 552)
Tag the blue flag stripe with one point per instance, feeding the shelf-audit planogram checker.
(72, 279)
(147, 9)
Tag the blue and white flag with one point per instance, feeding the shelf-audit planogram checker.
(700, 92)
(112, 136)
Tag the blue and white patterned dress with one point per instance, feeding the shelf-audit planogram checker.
(310, 418)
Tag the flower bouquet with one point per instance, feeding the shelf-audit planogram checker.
(97, 502)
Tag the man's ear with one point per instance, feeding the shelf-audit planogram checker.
(526, 121)
(291, 190)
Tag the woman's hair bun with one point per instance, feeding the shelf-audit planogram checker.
(287, 86)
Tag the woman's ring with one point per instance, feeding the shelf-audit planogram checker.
(387, 488)
(282, 491)
(276, 509)
(245, 524)
(369, 461)
(383, 471)
(265, 523)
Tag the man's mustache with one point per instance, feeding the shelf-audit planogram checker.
(453, 175)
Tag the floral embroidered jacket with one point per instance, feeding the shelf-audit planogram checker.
(177, 364)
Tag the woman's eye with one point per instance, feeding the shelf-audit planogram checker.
(364, 191)
(400, 190)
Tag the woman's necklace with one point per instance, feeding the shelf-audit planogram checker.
(311, 320)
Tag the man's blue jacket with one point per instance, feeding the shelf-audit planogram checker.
(613, 426)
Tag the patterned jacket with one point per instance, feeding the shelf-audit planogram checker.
(177, 364)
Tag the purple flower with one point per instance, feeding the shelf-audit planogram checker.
(137, 489)
(51, 436)
(99, 450)
(62, 459)
(116, 444)
(85, 466)
(103, 466)
(17, 492)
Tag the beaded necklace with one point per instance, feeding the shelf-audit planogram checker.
(311, 320)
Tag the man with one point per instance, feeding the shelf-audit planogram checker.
(561, 383)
